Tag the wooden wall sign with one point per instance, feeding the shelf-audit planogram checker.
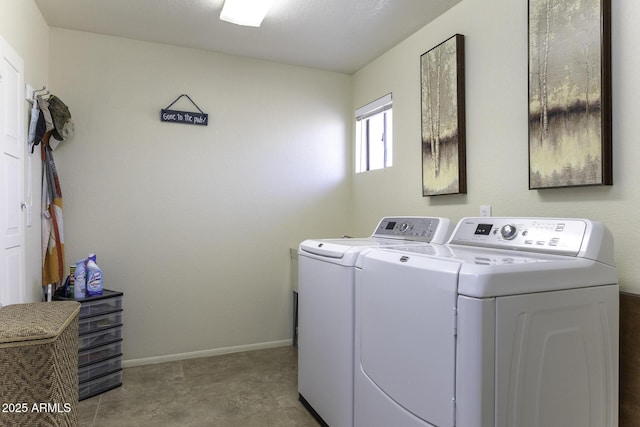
(188, 117)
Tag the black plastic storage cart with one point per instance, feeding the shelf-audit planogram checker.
(100, 343)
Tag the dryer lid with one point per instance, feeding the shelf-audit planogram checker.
(347, 250)
(335, 248)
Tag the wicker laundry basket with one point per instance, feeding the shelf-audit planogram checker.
(39, 364)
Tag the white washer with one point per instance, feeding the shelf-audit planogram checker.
(517, 326)
(326, 275)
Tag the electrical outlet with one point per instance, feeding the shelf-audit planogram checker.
(485, 210)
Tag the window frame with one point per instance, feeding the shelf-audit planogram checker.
(381, 106)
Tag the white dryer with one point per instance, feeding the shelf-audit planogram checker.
(516, 326)
(326, 276)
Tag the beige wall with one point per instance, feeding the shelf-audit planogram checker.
(496, 108)
(195, 223)
(24, 28)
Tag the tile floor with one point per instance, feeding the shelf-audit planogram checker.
(256, 388)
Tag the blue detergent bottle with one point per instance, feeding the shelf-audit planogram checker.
(94, 277)
(80, 280)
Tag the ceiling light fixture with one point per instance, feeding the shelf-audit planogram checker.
(249, 13)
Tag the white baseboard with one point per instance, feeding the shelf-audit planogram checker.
(205, 353)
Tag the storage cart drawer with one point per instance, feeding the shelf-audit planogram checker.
(97, 323)
(99, 385)
(100, 338)
(98, 354)
(94, 370)
(101, 306)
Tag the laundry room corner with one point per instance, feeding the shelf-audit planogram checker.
(194, 223)
(243, 284)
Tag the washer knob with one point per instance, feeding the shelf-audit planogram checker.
(508, 232)
(404, 227)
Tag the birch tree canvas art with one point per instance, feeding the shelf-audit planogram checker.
(569, 93)
(443, 117)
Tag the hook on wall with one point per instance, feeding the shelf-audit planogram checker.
(37, 93)
(32, 95)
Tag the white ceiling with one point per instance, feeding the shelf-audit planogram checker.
(335, 35)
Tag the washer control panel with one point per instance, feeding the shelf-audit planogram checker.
(423, 229)
(563, 236)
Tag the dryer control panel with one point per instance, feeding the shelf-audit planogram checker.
(423, 229)
(562, 236)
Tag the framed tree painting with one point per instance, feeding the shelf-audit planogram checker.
(443, 119)
(569, 93)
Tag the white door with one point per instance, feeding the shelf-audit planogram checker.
(405, 341)
(557, 358)
(12, 149)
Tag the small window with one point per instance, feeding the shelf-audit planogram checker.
(374, 136)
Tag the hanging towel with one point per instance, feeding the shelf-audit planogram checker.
(33, 121)
(52, 225)
(43, 104)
